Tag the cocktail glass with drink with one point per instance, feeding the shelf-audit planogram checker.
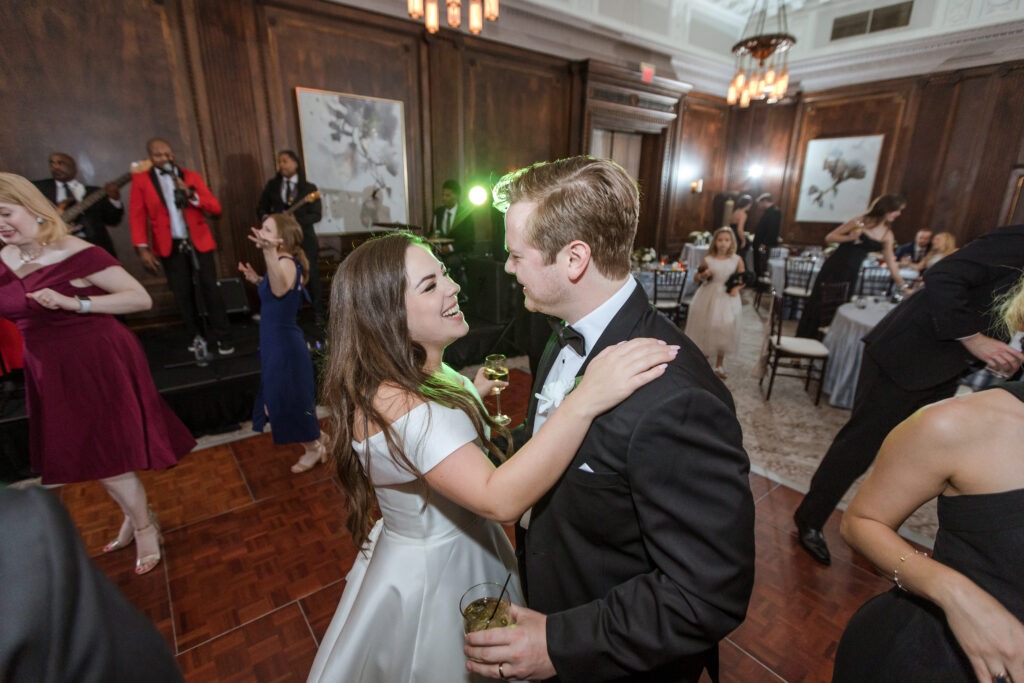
(496, 370)
(485, 606)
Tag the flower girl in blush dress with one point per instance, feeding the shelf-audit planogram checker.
(714, 319)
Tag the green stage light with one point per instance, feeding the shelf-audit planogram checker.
(478, 195)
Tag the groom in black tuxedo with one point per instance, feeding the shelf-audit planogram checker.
(641, 558)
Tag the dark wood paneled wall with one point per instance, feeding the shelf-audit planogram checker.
(952, 142)
(217, 78)
(701, 155)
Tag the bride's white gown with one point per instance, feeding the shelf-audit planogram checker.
(398, 619)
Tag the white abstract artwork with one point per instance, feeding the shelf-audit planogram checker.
(354, 150)
(837, 179)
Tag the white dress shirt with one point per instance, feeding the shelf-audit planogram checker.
(179, 229)
(562, 376)
(294, 181)
(77, 190)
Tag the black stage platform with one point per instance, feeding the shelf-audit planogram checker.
(215, 398)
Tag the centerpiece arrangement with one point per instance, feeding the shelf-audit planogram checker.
(700, 237)
(642, 258)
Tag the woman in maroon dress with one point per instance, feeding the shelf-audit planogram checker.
(94, 412)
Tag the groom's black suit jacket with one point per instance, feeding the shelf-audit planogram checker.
(645, 564)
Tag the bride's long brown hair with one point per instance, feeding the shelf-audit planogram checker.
(368, 346)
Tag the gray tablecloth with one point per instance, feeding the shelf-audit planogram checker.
(845, 348)
(646, 280)
(692, 256)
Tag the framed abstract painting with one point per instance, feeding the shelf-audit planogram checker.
(354, 151)
(838, 176)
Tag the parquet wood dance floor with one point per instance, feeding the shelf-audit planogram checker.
(255, 559)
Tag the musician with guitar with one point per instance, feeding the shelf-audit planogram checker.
(166, 214)
(289, 192)
(88, 210)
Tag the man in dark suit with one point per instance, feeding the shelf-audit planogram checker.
(167, 207)
(641, 558)
(64, 190)
(914, 252)
(284, 191)
(64, 621)
(914, 357)
(454, 219)
(766, 233)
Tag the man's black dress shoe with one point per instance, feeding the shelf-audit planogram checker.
(813, 541)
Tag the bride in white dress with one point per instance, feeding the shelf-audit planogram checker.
(411, 433)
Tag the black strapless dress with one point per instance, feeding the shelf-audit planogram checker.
(897, 636)
(842, 266)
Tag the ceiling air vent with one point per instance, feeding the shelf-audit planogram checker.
(881, 19)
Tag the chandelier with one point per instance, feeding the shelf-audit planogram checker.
(762, 43)
(478, 11)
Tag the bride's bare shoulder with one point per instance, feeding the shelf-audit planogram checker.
(393, 401)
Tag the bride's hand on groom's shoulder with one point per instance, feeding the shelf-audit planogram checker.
(518, 652)
(619, 370)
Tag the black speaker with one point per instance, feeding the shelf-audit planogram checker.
(489, 290)
(232, 293)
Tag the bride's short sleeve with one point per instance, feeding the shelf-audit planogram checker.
(431, 435)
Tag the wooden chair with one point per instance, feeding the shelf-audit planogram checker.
(799, 276)
(763, 284)
(804, 353)
(669, 286)
(833, 295)
(874, 281)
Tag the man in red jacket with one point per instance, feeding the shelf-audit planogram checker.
(166, 215)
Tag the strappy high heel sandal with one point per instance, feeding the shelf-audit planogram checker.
(306, 463)
(146, 563)
(125, 537)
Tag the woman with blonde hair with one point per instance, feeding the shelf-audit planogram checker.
(956, 616)
(713, 322)
(943, 244)
(411, 434)
(287, 396)
(93, 409)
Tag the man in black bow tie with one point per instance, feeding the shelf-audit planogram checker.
(641, 558)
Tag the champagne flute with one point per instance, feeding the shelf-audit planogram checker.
(496, 370)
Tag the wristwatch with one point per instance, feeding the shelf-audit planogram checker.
(85, 303)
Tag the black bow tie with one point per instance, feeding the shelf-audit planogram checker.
(567, 336)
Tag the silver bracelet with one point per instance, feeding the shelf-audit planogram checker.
(85, 303)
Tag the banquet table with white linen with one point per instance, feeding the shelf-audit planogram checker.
(845, 348)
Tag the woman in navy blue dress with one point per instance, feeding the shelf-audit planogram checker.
(287, 398)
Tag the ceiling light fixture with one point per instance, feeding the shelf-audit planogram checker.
(760, 42)
(430, 13)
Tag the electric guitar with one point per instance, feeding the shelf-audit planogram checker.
(306, 199)
(70, 210)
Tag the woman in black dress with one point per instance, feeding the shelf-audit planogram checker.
(957, 616)
(738, 222)
(857, 238)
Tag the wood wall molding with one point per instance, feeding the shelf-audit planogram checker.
(952, 140)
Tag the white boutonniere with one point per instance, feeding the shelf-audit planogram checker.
(554, 393)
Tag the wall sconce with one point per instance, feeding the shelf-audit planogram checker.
(756, 171)
(697, 186)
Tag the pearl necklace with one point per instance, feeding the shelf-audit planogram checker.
(25, 258)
